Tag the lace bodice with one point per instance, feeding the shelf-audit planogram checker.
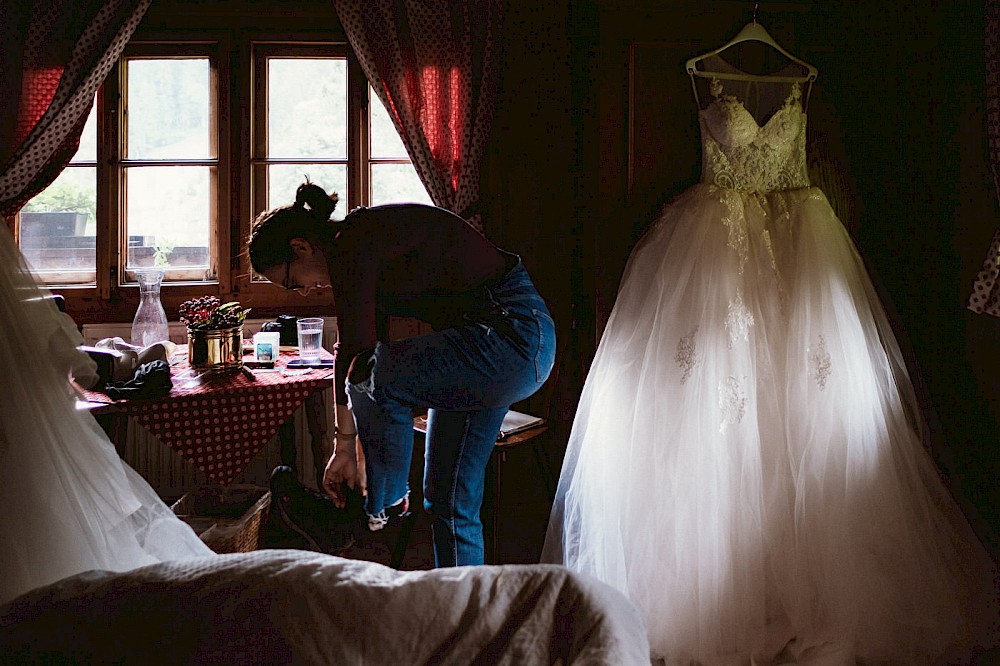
(740, 154)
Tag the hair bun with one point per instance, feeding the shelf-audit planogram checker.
(315, 199)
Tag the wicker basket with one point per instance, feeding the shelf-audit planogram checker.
(229, 519)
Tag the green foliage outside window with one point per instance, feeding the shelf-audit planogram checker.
(64, 197)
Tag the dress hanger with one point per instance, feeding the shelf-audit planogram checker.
(752, 31)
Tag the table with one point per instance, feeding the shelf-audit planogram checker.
(219, 423)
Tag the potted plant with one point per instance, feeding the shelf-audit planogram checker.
(214, 333)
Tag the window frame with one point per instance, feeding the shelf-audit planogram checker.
(69, 275)
(219, 167)
(260, 51)
(232, 52)
(257, 49)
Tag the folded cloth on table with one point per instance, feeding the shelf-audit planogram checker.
(129, 357)
(151, 380)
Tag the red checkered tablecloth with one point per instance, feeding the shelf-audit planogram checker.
(220, 422)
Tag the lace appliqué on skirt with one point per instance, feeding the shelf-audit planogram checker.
(739, 321)
(686, 355)
(739, 241)
(820, 364)
(732, 402)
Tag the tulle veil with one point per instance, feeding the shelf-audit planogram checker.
(70, 504)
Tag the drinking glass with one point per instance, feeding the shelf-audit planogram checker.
(310, 337)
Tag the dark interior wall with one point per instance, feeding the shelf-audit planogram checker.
(908, 82)
(535, 193)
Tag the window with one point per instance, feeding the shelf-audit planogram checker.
(303, 128)
(301, 125)
(391, 176)
(58, 227)
(168, 165)
(187, 143)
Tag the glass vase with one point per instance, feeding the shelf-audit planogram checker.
(150, 323)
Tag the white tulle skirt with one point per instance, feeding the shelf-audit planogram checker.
(746, 462)
(68, 503)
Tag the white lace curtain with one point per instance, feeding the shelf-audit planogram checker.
(985, 297)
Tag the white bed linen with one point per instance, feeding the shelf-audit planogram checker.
(298, 607)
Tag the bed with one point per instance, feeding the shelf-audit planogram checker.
(299, 607)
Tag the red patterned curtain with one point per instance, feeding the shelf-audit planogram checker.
(56, 53)
(985, 296)
(433, 65)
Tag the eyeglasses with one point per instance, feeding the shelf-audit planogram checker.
(286, 282)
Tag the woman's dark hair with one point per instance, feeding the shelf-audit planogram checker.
(307, 218)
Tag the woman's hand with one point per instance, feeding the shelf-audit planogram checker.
(346, 466)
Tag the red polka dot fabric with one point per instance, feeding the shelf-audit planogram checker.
(219, 425)
(433, 64)
(985, 297)
(66, 49)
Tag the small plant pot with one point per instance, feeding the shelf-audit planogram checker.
(216, 349)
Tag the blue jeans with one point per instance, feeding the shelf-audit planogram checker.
(467, 376)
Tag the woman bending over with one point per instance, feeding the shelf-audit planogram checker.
(493, 344)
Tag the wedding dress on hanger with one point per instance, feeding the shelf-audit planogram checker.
(69, 503)
(747, 459)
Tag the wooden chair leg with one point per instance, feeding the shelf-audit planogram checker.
(403, 540)
(286, 435)
(495, 470)
(549, 479)
(316, 420)
(493, 555)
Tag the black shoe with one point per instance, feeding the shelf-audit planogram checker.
(312, 514)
